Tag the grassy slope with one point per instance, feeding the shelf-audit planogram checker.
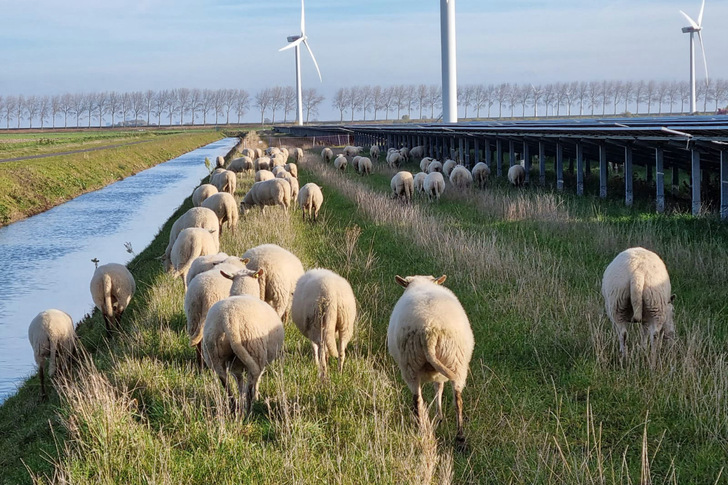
(32, 186)
(546, 402)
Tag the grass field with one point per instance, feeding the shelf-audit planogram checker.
(547, 400)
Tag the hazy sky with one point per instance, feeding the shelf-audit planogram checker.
(49, 47)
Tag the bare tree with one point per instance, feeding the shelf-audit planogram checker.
(311, 102)
(44, 109)
(616, 91)
(593, 91)
(171, 105)
(501, 95)
(208, 97)
(290, 101)
(262, 101)
(353, 99)
(183, 96)
(31, 108)
(377, 99)
(399, 93)
(409, 98)
(55, 107)
(149, 104)
(339, 102)
(421, 98)
(195, 103)
(228, 102)
(465, 98)
(388, 99)
(242, 103)
(524, 96)
(365, 101)
(136, 105)
(548, 95)
(513, 97)
(101, 106)
(673, 91)
(536, 95)
(9, 108)
(720, 92)
(276, 100)
(434, 99)
(78, 105)
(218, 104)
(126, 103)
(704, 92)
(628, 94)
(650, 91)
(160, 101)
(604, 92)
(640, 90)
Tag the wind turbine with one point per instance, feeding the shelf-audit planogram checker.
(296, 41)
(692, 29)
(449, 62)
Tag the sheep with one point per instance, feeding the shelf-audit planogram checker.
(324, 306)
(417, 152)
(242, 164)
(225, 182)
(298, 155)
(327, 154)
(263, 175)
(191, 243)
(461, 177)
(53, 339)
(195, 217)
(310, 198)
(225, 207)
(355, 162)
(517, 175)
(365, 166)
(425, 162)
(258, 153)
(419, 182)
(268, 192)
(278, 169)
(291, 180)
(241, 334)
(350, 151)
(292, 168)
(402, 185)
(448, 166)
(636, 288)
(434, 166)
(278, 160)
(430, 338)
(263, 163)
(340, 162)
(249, 152)
(270, 151)
(201, 193)
(394, 159)
(112, 286)
(205, 263)
(374, 152)
(220, 162)
(286, 153)
(404, 151)
(480, 173)
(434, 185)
(281, 270)
(203, 291)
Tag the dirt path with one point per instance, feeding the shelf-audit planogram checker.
(58, 154)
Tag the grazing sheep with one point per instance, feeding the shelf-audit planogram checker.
(205, 263)
(190, 244)
(259, 153)
(278, 160)
(242, 164)
(291, 180)
(425, 162)
(480, 173)
(310, 198)
(324, 307)
(350, 151)
(225, 181)
(112, 286)
(434, 185)
(281, 270)
(220, 162)
(263, 175)
(365, 166)
(394, 159)
(419, 182)
(340, 162)
(298, 155)
(203, 291)
(263, 163)
(430, 338)
(241, 334)
(448, 166)
(374, 152)
(203, 192)
(434, 166)
(404, 151)
(402, 185)
(225, 207)
(636, 288)
(53, 339)
(517, 175)
(268, 192)
(249, 152)
(292, 168)
(278, 169)
(286, 153)
(195, 217)
(461, 177)
(327, 154)
(417, 152)
(355, 162)
(270, 151)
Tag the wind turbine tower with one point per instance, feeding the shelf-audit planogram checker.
(449, 62)
(695, 27)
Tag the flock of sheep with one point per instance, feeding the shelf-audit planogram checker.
(236, 306)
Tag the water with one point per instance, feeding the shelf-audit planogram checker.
(45, 260)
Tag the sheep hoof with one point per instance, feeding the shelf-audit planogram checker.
(461, 446)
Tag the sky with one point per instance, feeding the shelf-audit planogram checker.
(52, 47)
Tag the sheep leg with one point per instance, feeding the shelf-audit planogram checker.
(315, 348)
(323, 360)
(460, 437)
(107, 322)
(342, 352)
(251, 390)
(417, 401)
(41, 375)
(231, 398)
(200, 362)
(439, 387)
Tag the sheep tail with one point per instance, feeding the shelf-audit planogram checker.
(242, 353)
(108, 305)
(636, 287)
(328, 329)
(52, 362)
(435, 362)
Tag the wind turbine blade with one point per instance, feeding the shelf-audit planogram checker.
(692, 22)
(700, 15)
(303, 20)
(705, 61)
(312, 57)
(292, 44)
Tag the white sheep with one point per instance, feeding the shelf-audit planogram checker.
(242, 164)
(53, 339)
(263, 175)
(202, 192)
(434, 166)
(278, 169)
(291, 180)
(448, 166)
(205, 263)
(278, 160)
(402, 185)
(374, 152)
(461, 178)
(281, 270)
(434, 185)
(286, 153)
(480, 173)
(263, 163)
(220, 162)
(394, 159)
(365, 166)
(310, 198)
(323, 308)
(327, 154)
(404, 151)
(517, 175)
(194, 217)
(425, 162)
(270, 151)
(419, 182)
(292, 168)
(417, 152)
(242, 334)
(355, 162)
(225, 207)
(340, 162)
(249, 152)
(350, 151)
(430, 338)
(190, 244)
(258, 153)
(225, 181)
(636, 288)
(298, 155)
(268, 192)
(112, 286)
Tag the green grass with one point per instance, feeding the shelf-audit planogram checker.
(547, 400)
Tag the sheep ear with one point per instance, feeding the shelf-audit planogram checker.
(401, 281)
(672, 298)
(258, 273)
(245, 260)
(441, 279)
(225, 275)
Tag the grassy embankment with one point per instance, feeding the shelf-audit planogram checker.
(28, 187)
(547, 400)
